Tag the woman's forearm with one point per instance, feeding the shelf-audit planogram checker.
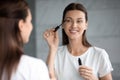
(50, 63)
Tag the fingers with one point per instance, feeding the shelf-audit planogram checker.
(85, 69)
(48, 33)
(86, 72)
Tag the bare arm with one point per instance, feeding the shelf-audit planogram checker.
(106, 77)
(52, 40)
(50, 63)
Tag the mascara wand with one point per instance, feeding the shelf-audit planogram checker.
(56, 28)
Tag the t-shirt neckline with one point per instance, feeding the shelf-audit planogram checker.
(85, 53)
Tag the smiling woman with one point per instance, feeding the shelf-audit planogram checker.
(63, 61)
(15, 30)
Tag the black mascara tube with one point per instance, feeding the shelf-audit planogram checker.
(79, 61)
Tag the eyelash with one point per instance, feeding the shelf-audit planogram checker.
(67, 20)
(79, 21)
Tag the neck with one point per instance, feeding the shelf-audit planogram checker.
(76, 48)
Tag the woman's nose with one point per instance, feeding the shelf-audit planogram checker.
(74, 24)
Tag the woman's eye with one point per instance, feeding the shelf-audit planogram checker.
(67, 20)
(80, 21)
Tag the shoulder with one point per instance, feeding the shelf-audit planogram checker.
(100, 54)
(31, 66)
(31, 62)
(28, 61)
(62, 48)
(61, 51)
(98, 51)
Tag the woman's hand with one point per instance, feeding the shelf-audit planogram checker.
(52, 38)
(87, 73)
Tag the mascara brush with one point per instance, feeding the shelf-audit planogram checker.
(57, 27)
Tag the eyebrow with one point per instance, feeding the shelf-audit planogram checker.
(71, 18)
(81, 18)
(68, 18)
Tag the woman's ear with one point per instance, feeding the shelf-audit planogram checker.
(21, 25)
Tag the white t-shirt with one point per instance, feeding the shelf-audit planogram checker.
(31, 68)
(66, 65)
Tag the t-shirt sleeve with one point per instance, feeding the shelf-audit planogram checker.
(105, 64)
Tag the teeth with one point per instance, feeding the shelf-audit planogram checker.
(73, 31)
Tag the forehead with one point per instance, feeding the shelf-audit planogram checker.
(75, 14)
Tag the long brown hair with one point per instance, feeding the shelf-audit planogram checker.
(80, 7)
(11, 44)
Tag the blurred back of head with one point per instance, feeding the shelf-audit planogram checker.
(11, 12)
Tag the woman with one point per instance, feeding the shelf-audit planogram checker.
(63, 61)
(15, 30)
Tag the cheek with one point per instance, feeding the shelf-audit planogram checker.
(65, 28)
(83, 26)
(30, 26)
